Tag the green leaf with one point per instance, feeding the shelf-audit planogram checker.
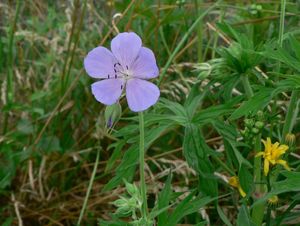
(129, 161)
(186, 207)
(245, 178)
(174, 107)
(116, 154)
(257, 102)
(290, 184)
(244, 217)
(196, 152)
(212, 113)
(284, 54)
(194, 99)
(223, 217)
(191, 145)
(163, 200)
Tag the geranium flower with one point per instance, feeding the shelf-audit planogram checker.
(127, 66)
(272, 155)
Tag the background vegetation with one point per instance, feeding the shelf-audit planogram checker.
(224, 67)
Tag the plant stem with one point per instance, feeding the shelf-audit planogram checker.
(291, 111)
(258, 212)
(142, 170)
(268, 217)
(199, 32)
(89, 188)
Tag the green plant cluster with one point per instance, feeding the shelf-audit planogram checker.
(229, 77)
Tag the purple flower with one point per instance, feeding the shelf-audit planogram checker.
(127, 66)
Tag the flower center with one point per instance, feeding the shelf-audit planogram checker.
(122, 72)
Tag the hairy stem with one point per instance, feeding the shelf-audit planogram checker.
(268, 217)
(258, 212)
(142, 170)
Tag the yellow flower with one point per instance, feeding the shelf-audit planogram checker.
(273, 201)
(234, 182)
(272, 155)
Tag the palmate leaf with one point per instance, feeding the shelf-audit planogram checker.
(289, 54)
(194, 100)
(229, 134)
(241, 55)
(196, 153)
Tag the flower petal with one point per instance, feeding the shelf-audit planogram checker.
(145, 65)
(259, 154)
(283, 163)
(108, 91)
(266, 167)
(99, 63)
(125, 47)
(242, 193)
(141, 94)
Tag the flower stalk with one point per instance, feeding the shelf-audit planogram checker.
(89, 188)
(142, 170)
(257, 213)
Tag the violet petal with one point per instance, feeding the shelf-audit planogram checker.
(141, 94)
(125, 47)
(108, 91)
(99, 63)
(145, 66)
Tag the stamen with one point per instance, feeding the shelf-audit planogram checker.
(121, 87)
(108, 76)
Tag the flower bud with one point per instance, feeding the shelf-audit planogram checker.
(112, 114)
(132, 189)
(260, 115)
(259, 125)
(249, 122)
(255, 131)
(290, 139)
